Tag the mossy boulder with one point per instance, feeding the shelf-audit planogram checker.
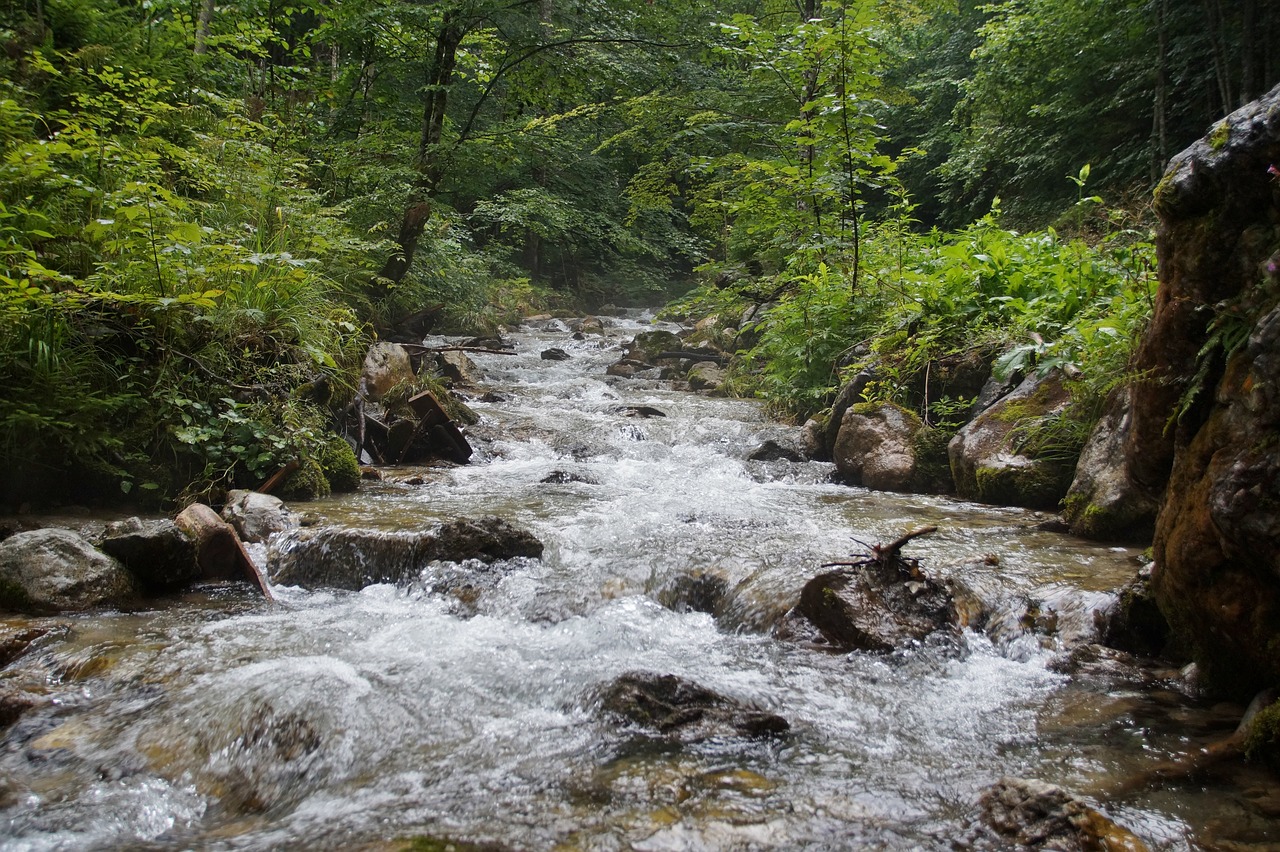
(339, 465)
(308, 482)
(990, 457)
(1104, 502)
(1206, 417)
(648, 345)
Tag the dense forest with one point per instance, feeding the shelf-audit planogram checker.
(208, 211)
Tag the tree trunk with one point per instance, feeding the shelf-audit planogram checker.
(1160, 118)
(429, 166)
(202, 27)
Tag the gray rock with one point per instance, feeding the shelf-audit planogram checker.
(161, 556)
(385, 366)
(256, 516)
(457, 367)
(706, 375)
(57, 570)
(554, 354)
(1104, 502)
(873, 447)
(345, 558)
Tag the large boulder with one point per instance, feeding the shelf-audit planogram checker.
(385, 366)
(1104, 502)
(989, 460)
(874, 447)
(680, 710)
(706, 376)
(1213, 357)
(344, 558)
(647, 346)
(160, 555)
(56, 570)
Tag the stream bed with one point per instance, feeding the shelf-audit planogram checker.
(336, 720)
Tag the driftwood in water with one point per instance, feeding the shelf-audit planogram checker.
(420, 348)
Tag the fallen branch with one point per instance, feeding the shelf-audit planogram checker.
(883, 554)
(686, 355)
(418, 347)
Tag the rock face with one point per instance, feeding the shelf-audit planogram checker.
(55, 570)
(988, 461)
(1036, 815)
(343, 558)
(706, 376)
(1216, 334)
(1104, 502)
(874, 447)
(876, 607)
(683, 711)
(385, 366)
(160, 555)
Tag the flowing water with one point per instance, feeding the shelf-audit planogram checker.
(336, 719)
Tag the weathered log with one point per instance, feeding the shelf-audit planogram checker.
(883, 554)
(220, 555)
(686, 355)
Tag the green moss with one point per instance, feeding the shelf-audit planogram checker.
(1039, 486)
(306, 483)
(13, 596)
(1262, 742)
(1219, 136)
(933, 462)
(338, 462)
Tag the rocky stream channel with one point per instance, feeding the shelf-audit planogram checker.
(641, 685)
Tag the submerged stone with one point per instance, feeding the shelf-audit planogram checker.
(342, 558)
(680, 710)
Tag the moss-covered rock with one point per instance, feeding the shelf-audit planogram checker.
(338, 463)
(308, 482)
(1211, 366)
(991, 460)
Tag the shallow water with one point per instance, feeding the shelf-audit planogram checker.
(338, 719)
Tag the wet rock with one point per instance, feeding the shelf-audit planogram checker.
(468, 582)
(344, 558)
(157, 552)
(385, 366)
(14, 702)
(587, 325)
(1134, 622)
(564, 477)
(680, 710)
(1036, 815)
(876, 607)
(772, 450)
(257, 516)
(626, 368)
(706, 376)
(457, 368)
(1104, 503)
(699, 591)
(554, 354)
(1217, 564)
(56, 570)
(14, 641)
(638, 411)
(647, 346)
(989, 462)
(874, 447)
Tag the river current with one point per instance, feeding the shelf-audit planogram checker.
(336, 719)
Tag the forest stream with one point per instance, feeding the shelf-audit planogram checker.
(336, 719)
